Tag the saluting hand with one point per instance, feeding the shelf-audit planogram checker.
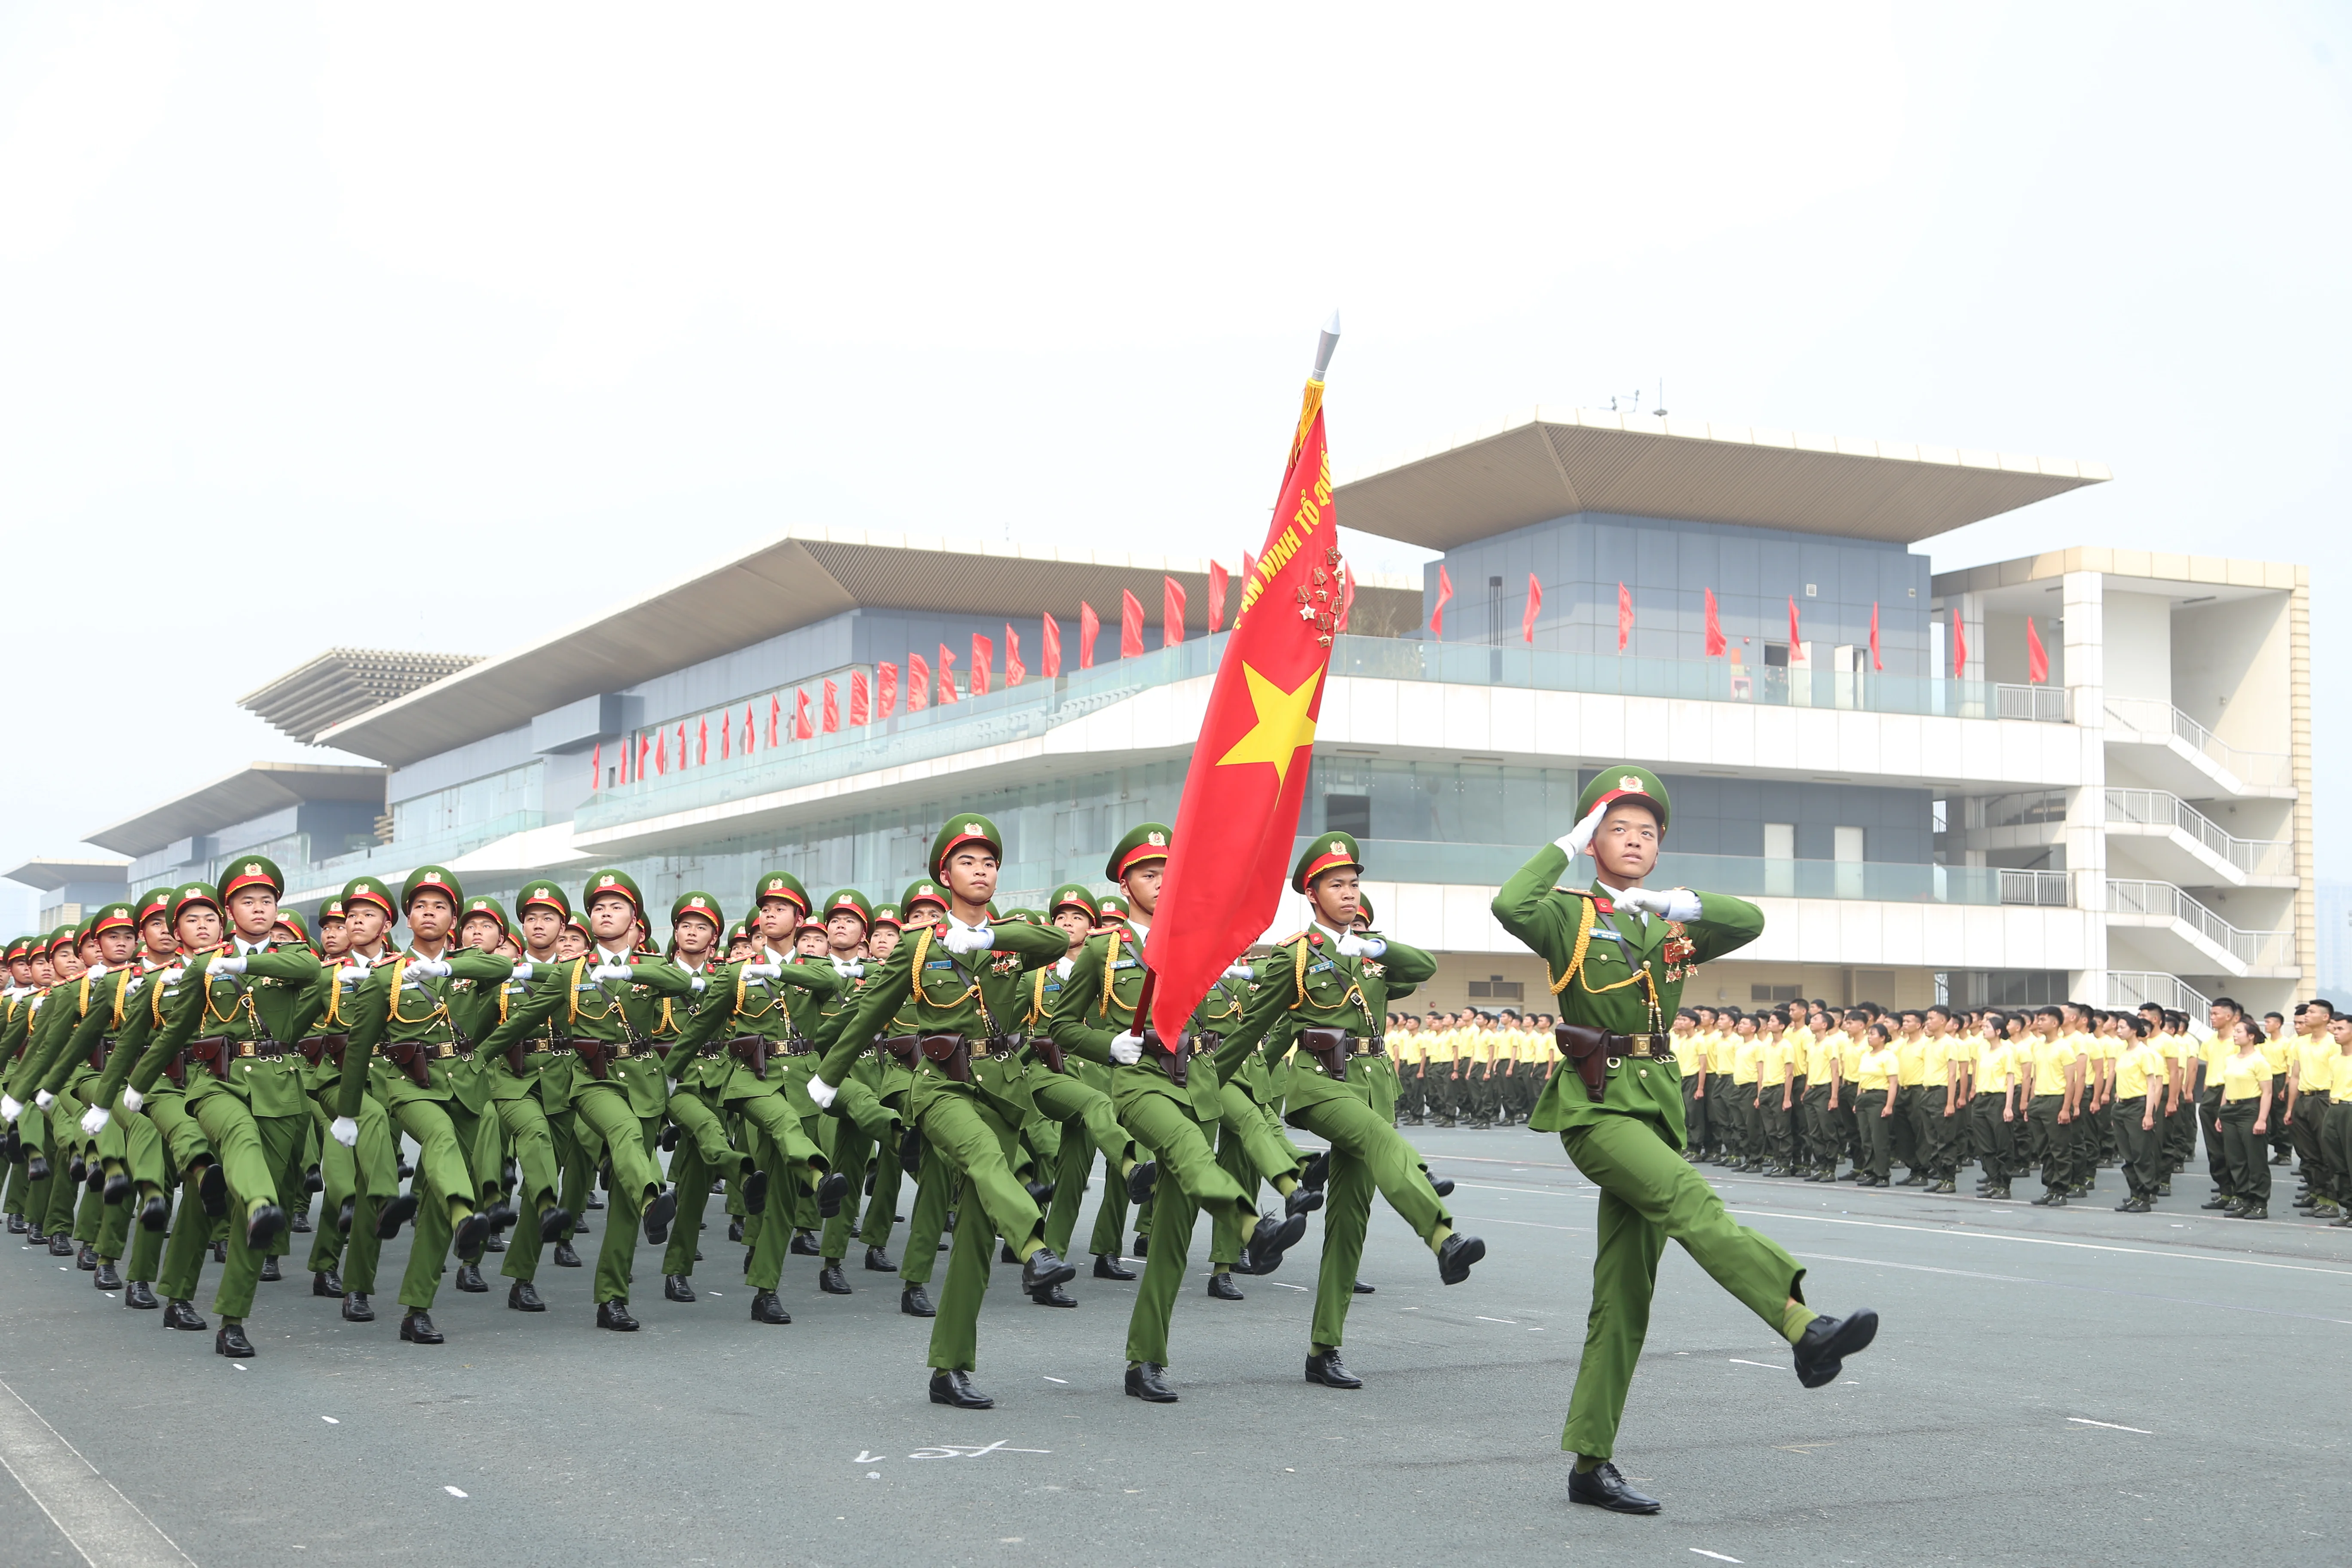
(1579, 839)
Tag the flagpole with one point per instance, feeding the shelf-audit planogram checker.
(1310, 402)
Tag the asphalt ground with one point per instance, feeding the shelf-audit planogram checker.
(2049, 1386)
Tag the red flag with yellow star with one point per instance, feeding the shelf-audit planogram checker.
(1230, 860)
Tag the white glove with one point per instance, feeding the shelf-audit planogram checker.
(613, 971)
(171, 976)
(763, 970)
(94, 1121)
(344, 1130)
(1356, 946)
(962, 940)
(45, 1099)
(521, 971)
(1667, 903)
(1580, 838)
(854, 970)
(226, 964)
(821, 1091)
(1240, 972)
(131, 1099)
(10, 1108)
(698, 984)
(353, 974)
(97, 971)
(1127, 1049)
(423, 968)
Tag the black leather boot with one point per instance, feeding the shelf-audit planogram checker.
(766, 1309)
(1108, 1266)
(677, 1287)
(522, 1296)
(417, 1327)
(1145, 1382)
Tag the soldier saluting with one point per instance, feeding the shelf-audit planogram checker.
(1617, 953)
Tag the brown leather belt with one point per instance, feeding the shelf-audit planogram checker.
(322, 1046)
(1592, 1052)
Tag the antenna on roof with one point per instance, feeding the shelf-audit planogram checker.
(1659, 411)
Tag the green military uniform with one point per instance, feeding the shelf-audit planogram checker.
(862, 1141)
(529, 1085)
(935, 1180)
(961, 988)
(1625, 976)
(100, 1001)
(361, 1182)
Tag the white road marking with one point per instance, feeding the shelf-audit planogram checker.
(1483, 1319)
(1063, 1381)
(331, 1420)
(1283, 1284)
(1734, 1361)
(1719, 1556)
(2066, 1285)
(105, 1528)
(2086, 1421)
(2043, 1241)
(453, 1491)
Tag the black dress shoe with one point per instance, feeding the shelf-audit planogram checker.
(910, 1151)
(832, 1281)
(118, 1187)
(1141, 1181)
(404, 1170)
(1454, 1258)
(596, 1202)
(955, 1388)
(735, 1229)
(496, 1244)
(1142, 1245)
(766, 1309)
(1318, 1171)
(16, 1226)
(76, 1171)
(1443, 1186)
(1221, 1287)
(1242, 1265)
(86, 1258)
(1326, 1368)
(2052, 1198)
(1053, 1296)
(522, 1296)
(1827, 1342)
(1302, 1200)
(659, 1213)
(915, 1302)
(212, 1190)
(63, 1246)
(263, 1227)
(470, 1278)
(1144, 1382)
(878, 1261)
(344, 1213)
(417, 1329)
(564, 1256)
(327, 1282)
(393, 1215)
(755, 1193)
(1271, 1240)
(299, 1225)
(36, 1236)
(1004, 1253)
(140, 1297)
(1108, 1266)
(181, 1315)
(36, 1168)
(1040, 1193)
(614, 1315)
(1361, 1289)
(356, 1309)
(2134, 1205)
(108, 1277)
(271, 1273)
(677, 1287)
(804, 1246)
(231, 1340)
(831, 1194)
(552, 1224)
(473, 1231)
(1602, 1487)
(1044, 1268)
(2220, 1201)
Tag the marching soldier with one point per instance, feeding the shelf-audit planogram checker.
(1621, 952)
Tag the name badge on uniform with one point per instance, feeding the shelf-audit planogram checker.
(1322, 966)
(939, 964)
(1124, 964)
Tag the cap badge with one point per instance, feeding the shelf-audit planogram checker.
(1630, 783)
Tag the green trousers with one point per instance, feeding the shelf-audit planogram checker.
(2144, 1163)
(1090, 1125)
(254, 1148)
(1172, 1215)
(975, 1139)
(1649, 1193)
(935, 1187)
(794, 1164)
(602, 1108)
(1368, 1155)
(446, 1135)
(2248, 1152)
(524, 1121)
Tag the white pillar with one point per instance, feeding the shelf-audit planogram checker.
(2083, 596)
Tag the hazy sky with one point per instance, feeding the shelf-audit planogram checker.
(432, 327)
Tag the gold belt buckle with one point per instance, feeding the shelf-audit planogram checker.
(621, 1052)
(245, 1047)
(443, 1051)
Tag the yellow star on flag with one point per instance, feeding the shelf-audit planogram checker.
(1283, 723)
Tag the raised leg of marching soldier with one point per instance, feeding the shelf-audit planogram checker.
(250, 1148)
(532, 1139)
(863, 1126)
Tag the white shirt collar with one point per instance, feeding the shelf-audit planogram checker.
(1062, 967)
(1326, 931)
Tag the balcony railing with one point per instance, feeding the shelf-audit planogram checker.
(2255, 949)
(2151, 718)
(2155, 808)
(2129, 989)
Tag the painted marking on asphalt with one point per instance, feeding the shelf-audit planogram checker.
(2068, 1284)
(970, 1450)
(1063, 1381)
(2043, 1241)
(1719, 1556)
(97, 1521)
(1483, 1319)
(331, 1420)
(453, 1491)
(1734, 1361)
(1285, 1285)
(2086, 1421)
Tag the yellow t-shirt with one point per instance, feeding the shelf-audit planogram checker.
(1770, 1054)
(2139, 1062)
(1437, 1049)
(2214, 1053)
(1721, 1050)
(1799, 1039)
(1876, 1067)
(2275, 1052)
(2315, 1070)
(1688, 1050)
(1911, 1060)
(1745, 1056)
(1817, 1057)
(2050, 1059)
(2244, 1077)
(1996, 1061)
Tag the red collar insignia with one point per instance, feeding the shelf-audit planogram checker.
(1604, 906)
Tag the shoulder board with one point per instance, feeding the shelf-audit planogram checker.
(1309, 935)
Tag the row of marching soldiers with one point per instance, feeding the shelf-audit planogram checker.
(182, 1072)
(2059, 1091)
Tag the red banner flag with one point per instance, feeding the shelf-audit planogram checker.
(860, 711)
(1874, 663)
(983, 654)
(726, 736)
(681, 745)
(1172, 611)
(1089, 625)
(918, 683)
(1131, 625)
(946, 675)
(1796, 639)
(1444, 592)
(661, 756)
(750, 731)
(775, 712)
(1217, 598)
(801, 728)
(1534, 603)
(1347, 594)
(645, 754)
(1053, 639)
(832, 709)
(1959, 647)
(1229, 864)
(1715, 646)
(886, 690)
(2037, 657)
(702, 742)
(1015, 672)
(1624, 618)
(596, 769)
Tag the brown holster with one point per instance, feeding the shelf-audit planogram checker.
(319, 1047)
(100, 1052)
(1328, 1048)
(1043, 1047)
(903, 1046)
(175, 1067)
(1588, 1051)
(1173, 1062)
(412, 1057)
(752, 1050)
(951, 1052)
(216, 1051)
(592, 1056)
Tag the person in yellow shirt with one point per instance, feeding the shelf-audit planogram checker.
(1993, 1108)
(1747, 1056)
(1776, 1091)
(1690, 1063)
(1721, 1056)
(1821, 1156)
(2246, 1120)
(2053, 1071)
(2224, 1014)
(2277, 1045)
(1875, 1074)
(2335, 1135)
(1911, 1079)
(2310, 1080)
(1437, 1068)
(1405, 1045)
(2141, 1084)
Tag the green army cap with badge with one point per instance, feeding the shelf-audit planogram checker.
(292, 921)
(1363, 908)
(1624, 782)
(614, 881)
(188, 893)
(781, 885)
(1329, 852)
(965, 827)
(699, 904)
(114, 916)
(155, 901)
(924, 892)
(849, 900)
(369, 890)
(431, 879)
(888, 915)
(1144, 843)
(1111, 906)
(1072, 896)
(250, 871)
(546, 895)
(61, 937)
(333, 909)
(479, 905)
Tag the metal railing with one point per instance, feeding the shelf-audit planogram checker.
(2159, 808)
(2042, 704)
(2148, 717)
(2046, 889)
(2031, 808)
(2131, 989)
(2162, 901)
